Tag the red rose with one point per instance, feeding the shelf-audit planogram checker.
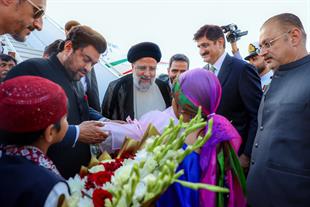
(100, 177)
(127, 155)
(112, 166)
(99, 195)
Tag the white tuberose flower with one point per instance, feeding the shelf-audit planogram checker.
(96, 169)
(76, 184)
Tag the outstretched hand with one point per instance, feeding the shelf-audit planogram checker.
(90, 132)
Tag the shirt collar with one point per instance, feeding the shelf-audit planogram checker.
(218, 64)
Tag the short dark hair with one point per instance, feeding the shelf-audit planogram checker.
(83, 36)
(70, 24)
(179, 57)
(212, 32)
(21, 139)
(286, 20)
(52, 48)
(7, 58)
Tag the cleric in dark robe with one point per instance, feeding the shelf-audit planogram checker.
(135, 94)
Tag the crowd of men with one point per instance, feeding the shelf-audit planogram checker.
(266, 100)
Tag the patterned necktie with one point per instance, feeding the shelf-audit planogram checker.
(212, 68)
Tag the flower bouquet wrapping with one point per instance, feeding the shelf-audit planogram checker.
(140, 178)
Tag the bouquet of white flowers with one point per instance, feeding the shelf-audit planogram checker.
(141, 179)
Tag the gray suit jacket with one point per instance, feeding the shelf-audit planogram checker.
(280, 168)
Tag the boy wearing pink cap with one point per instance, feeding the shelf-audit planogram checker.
(33, 117)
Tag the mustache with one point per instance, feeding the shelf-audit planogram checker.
(83, 70)
(145, 78)
(267, 56)
(31, 28)
(205, 53)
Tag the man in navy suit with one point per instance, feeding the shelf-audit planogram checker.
(241, 88)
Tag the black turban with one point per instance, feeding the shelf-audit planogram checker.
(143, 49)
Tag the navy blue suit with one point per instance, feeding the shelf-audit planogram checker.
(241, 95)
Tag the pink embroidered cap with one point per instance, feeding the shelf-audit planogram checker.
(30, 103)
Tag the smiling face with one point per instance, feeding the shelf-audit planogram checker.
(23, 18)
(210, 50)
(144, 72)
(80, 61)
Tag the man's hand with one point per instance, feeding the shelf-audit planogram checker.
(234, 47)
(244, 163)
(90, 132)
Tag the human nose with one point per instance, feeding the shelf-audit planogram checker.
(88, 67)
(262, 51)
(147, 73)
(201, 51)
(38, 24)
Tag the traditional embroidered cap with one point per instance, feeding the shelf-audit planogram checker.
(252, 49)
(30, 103)
(143, 49)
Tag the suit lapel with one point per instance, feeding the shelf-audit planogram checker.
(225, 70)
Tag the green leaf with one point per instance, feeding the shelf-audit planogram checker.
(196, 186)
(237, 169)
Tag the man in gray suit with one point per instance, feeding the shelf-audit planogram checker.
(280, 166)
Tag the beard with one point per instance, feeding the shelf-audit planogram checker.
(260, 69)
(140, 85)
(22, 31)
(71, 71)
(19, 38)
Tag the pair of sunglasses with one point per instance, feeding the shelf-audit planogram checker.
(37, 11)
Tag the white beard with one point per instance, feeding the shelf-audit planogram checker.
(143, 87)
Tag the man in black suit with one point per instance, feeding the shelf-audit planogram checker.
(139, 92)
(90, 88)
(78, 54)
(241, 88)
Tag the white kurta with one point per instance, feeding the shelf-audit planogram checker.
(147, 101)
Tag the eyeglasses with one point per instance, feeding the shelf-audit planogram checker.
(38, 12)
(269, 44)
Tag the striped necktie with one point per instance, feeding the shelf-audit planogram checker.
(212, 68)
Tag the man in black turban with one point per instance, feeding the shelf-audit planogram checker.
(140, 92)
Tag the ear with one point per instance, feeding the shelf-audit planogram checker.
(68, 46)
(49, 134)
(296, 36)
(221, 41)
(175, 108)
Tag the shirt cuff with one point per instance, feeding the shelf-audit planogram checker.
(104, 119)
(76, 135)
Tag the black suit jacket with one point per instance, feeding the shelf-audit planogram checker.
(118, 99)
(241, 95)
(67, 159)
(92, 90)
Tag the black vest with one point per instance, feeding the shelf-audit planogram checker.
(24, 183)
